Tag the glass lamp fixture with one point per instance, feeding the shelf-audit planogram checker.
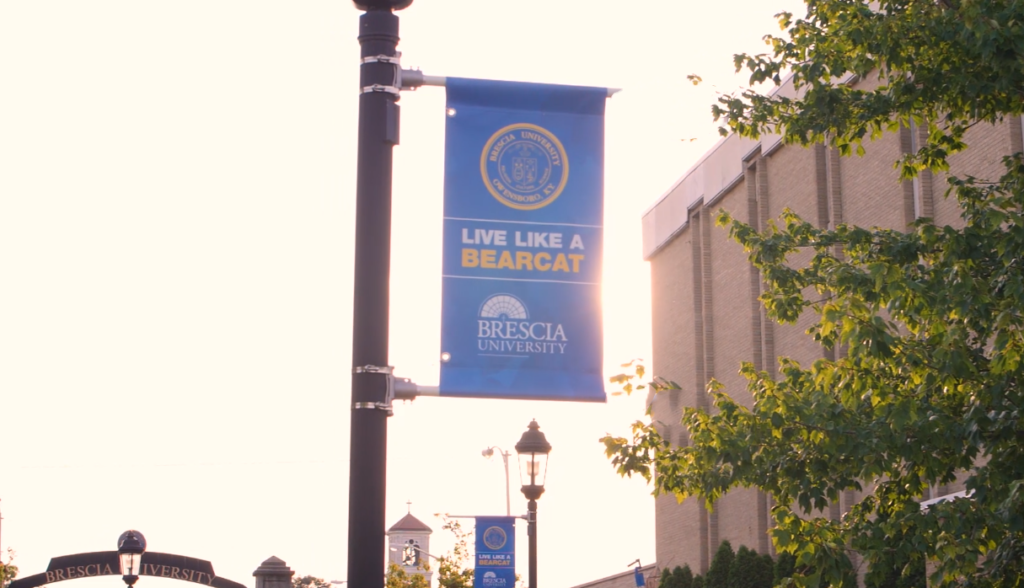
(533, 449)
(130, 547)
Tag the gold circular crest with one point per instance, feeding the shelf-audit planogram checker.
(495, 538)
(524, 166)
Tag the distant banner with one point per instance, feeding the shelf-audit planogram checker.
(523, 238)
(495, 553)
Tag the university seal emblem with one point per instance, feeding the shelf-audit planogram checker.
(524, 166)
(494, 538)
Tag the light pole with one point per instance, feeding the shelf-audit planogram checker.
(130, 547)
(504, 457)
(378, 134)
(533, 449)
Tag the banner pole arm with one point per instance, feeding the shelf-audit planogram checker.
(410, 79)
(406, 389)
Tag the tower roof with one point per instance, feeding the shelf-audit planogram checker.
(410, 523)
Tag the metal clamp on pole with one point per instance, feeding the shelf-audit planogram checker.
(373, 369)
(392, 59)
(389, 391)
(396, 80)
(380, 88)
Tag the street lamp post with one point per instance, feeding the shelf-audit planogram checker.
(533, 449)
(504, 457)
(130, 547)
(378, 134)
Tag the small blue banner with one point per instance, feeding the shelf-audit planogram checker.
(638, 577)
(495, 553)
(523, 238)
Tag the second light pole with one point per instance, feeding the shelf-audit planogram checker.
(533, 449)
(504, 457)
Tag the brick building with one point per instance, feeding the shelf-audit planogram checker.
(706, 317)
(626, 579)
(409, 546)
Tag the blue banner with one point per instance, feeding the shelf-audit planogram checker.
(523, 238)
(495, 553)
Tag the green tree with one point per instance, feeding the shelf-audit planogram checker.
(926, 325)
(454, 570)
(785, 567)
(721, 564)
(8, 571)
(698, 581)
(895, 569)
(766, 568)
(683, 577)
(310, 582)
(668, 578)
(397, 577)
(888, 572)
(747, 570)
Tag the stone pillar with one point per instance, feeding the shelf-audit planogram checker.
(273, 573)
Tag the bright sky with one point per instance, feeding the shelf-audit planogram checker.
(177, 188)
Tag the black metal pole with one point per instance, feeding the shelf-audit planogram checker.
(531, 532)
(378, 134)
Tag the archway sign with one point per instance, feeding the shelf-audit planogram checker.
(106, 563)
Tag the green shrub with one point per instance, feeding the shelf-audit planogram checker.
(784, 567)
(721, 564)
(683, 577)
(747, 570)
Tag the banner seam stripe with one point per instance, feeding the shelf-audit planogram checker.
(491, 220)
(521, 280)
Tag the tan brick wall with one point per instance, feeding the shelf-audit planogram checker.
(983, 160)
(792, 182)
(730, 275)
(674, 359)
(872, 192)
(737, 519)
(732, 310)
(673, 342)
(705, 320)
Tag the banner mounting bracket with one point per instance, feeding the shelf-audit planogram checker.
(411, 79)
(389, 392)
(406, 389)
(389, 59)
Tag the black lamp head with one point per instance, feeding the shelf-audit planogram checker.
(533, 441)
(382, 4)
(131, 541)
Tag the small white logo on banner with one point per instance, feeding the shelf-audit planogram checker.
(504, 328)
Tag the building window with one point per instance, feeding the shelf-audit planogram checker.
(411, 554)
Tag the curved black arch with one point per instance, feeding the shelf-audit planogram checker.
(106, 563)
